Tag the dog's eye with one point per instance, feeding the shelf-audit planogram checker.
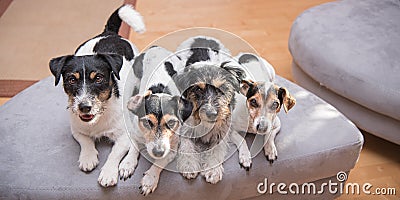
(253, 103)
(72, 80)
(198, 89)
(275, 105)
(171, 124)
(99, 78)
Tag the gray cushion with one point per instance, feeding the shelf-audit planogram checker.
(39, 156)
(366, 119)
(352, 48)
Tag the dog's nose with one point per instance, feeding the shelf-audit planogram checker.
(262, 126)
(212, 114)
(158, 152)
(85, 108)
(261, 129)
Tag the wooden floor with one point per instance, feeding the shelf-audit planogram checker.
(265, 24)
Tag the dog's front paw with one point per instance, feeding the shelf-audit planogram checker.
(190, 175)
(108, 176)
(245, 160)
(126, 168)
(149, 183)
(189, 168)
(270, 152)
(214, 175)
(88, 161)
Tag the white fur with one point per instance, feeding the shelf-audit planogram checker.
(154, 71)
(133, 18)
(87, 48)
(258, 71)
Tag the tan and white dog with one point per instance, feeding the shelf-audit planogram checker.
(259, 104)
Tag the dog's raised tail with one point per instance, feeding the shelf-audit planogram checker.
(127, 14)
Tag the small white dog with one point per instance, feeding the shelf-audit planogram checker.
(92, 81)
(259, 104)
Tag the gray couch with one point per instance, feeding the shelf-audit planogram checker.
(39, 156)
(348, 53)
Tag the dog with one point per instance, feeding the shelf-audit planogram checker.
(210, 86)
(260, 103)
(158, 115)
(93, 79)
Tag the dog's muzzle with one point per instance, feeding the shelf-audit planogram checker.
(158, 152)
(209, 112)
(262, 125)
(85, 109)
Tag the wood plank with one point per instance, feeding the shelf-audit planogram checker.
(9, 88)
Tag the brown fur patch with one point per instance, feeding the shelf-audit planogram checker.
(147, 93)
(77, 75)
(104, 95)
(218, 82)
(255, 111)
(202, 85)
(92, 75)
(273, 97)
(149, 134)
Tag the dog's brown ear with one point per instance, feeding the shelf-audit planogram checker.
(286, 100)
(115, 62)
(56, 65)
(245, 85)
(136, 105)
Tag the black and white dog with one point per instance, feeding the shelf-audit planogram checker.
(93, 79)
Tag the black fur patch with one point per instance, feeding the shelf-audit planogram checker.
(246, 58)
(159, 88)
(170, 69)
(114, 44)
(138, 65)
(200, 50)
(113, 22)
(135, 90)
(253, 89)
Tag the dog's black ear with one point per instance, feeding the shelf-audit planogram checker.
(56, 65)
(136, 105)
(170, 69)
(138, 65)
(245, 86)
(185, 108)
(115, 61)
(237, 71)
(285, 99)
